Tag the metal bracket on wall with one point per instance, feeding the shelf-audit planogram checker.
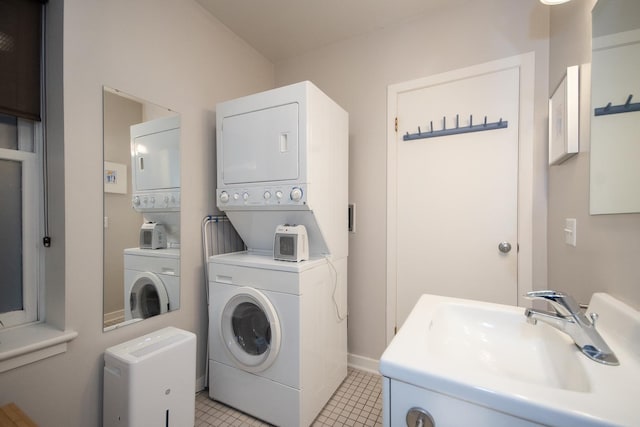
(501, 124)
(627, 107)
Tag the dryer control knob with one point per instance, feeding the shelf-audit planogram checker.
(236, 196)
(279, 194)
(224, 197)
(166, 198)
(245, 196)
(296, 194)
(152, 200)
(136, 201)
(267, 195)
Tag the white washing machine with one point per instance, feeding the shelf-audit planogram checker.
(151, 282)
(277, 335)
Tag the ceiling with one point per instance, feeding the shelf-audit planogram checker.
(281, 29)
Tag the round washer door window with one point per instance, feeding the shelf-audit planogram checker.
(251, 330)
(148, 297)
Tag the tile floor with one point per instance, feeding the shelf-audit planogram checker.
(357, 402)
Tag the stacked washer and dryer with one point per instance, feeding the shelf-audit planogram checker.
(152, 270)
(277, 324)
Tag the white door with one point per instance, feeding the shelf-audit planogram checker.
(456, 196)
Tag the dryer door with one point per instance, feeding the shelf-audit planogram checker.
(251, 330)
(260, 146)
(148, 296)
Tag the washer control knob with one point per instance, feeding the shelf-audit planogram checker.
(279, 194)
(296, 194)
(136, 201)
(267, 195)
(152, 200)
(236, 196)
(245, 196)
(166, 198)
(224, 197)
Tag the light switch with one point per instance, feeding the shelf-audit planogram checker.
(570, 231)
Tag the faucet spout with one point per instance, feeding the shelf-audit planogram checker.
(568, 318)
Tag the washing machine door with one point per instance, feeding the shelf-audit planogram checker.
(250, 330)
(148, 296)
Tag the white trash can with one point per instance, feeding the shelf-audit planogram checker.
(150, 381)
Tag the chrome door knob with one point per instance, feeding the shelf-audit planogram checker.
(504, 247)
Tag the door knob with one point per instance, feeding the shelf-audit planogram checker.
(504, 247)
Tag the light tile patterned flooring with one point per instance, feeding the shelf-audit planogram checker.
(357, 402)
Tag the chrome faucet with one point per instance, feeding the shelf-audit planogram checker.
(568, 318)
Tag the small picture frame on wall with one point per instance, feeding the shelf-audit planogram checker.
(115, 178)
(563, 118)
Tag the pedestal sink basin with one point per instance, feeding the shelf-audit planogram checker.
(486, 356)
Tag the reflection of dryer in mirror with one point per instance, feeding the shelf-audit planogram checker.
(155, 164)
(151, 282)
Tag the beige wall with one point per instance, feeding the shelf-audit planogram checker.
(356, 74)
(172, 53)
(606, 255)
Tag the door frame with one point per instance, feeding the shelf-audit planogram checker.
(526, 65)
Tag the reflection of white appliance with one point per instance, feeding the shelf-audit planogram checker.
(151, 282)
(277, 347)
(283, 159)
(291, 243)
(149, 381)
(155, 162)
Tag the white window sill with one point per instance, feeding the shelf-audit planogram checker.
(27, 344)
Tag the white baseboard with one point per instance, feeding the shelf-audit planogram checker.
(363, 363)
(113, 317)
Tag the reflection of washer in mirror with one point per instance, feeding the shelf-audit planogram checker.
(151, 282)
(147, 298)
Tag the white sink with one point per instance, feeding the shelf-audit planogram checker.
(501, 342)
(488, 355)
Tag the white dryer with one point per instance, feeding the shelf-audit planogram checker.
(151, 282)
(276, 339)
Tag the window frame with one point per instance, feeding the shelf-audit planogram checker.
(29, 135)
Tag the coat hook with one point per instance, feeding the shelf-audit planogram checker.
(457, 120)
(485, 120)
(431, 124)
(471, 120)
(419, 131)
(444, 122)
(626, 104)
(500, 122)
(606, 108)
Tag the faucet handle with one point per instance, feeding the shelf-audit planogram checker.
(546, 294)
(562, 303)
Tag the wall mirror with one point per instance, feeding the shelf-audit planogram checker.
(615, 108)
(141, 196)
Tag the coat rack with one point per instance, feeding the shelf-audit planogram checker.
(627, 107)
(501, 124)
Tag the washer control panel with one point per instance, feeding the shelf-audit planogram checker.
(156, 201)
(291, 195)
